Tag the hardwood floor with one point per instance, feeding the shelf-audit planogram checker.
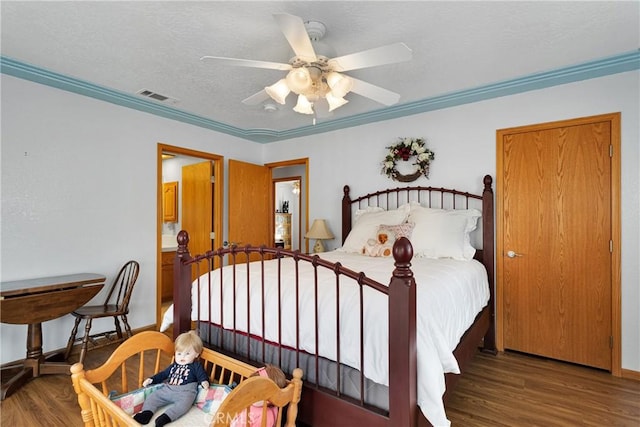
(506, 390)
(512, 389)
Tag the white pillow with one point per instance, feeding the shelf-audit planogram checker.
(440, 233)
(368, 209)
(367, 224)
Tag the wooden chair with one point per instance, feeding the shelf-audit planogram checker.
(116, 305)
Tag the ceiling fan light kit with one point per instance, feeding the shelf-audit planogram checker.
(314, 77)
(311, 83)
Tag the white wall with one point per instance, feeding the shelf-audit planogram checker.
(103, 156)
(464, 140)
(79, 193)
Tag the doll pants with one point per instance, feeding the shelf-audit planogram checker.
(181, 398)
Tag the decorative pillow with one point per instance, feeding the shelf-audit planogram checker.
(132, 402)
(440, 233)
(210, 399)
(396, 231)
(366, 226)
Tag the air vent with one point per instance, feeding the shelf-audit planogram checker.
(158, 97)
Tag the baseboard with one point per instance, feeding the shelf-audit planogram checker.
(630, 375)
(76, 347)
(104, 341)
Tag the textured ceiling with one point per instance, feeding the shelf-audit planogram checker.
(126, 46)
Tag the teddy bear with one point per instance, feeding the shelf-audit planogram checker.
(381, 246)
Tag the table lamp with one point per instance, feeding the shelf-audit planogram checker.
(319, 231)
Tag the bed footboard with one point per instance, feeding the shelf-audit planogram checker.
(401, 291)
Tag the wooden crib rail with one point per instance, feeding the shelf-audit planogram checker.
(95, 408)
(259, 389)
(223, 369)
(141, 344)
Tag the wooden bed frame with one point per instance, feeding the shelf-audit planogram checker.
(321, 407)
(98, 410)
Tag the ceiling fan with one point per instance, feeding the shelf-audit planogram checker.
(314, 77)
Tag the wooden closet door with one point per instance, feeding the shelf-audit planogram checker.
(555, 237)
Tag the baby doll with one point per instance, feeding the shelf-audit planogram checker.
(255, 411)
(180, 381)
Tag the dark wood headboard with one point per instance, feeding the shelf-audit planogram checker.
(436, 198)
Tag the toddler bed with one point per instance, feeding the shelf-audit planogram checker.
(126, 369)
(375, 351)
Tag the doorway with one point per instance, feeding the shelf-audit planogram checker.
(290, 183)
(203, 221)
(252, 199)
(558, 240)
(288, 210)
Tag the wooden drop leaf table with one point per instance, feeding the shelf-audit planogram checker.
(33, 301)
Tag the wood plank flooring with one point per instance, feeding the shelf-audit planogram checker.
(512, 389)
(506, 390)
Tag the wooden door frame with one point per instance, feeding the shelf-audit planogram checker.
(274, 182)
(295, 162)
(616, 233)
(218, 173)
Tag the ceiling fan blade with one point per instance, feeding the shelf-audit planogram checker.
(378, 94)
(296, 34)
(248, 63)
(390, 54)
(256, 98)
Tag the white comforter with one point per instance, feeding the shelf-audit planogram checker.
(450, 293)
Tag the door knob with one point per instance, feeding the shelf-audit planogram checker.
(512, 254)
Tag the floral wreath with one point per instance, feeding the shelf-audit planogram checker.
(403, 150)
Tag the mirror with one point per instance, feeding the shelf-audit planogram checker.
(287, 213)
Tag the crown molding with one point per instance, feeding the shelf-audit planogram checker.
(588, 70)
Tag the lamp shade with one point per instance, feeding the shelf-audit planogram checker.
(334, 101)
(299, 80)
(340, 85)
(303, 106)
(319, 230)
(278, 91)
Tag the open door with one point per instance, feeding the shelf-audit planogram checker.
(250, 213)
(200, 217)
(197, 206)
